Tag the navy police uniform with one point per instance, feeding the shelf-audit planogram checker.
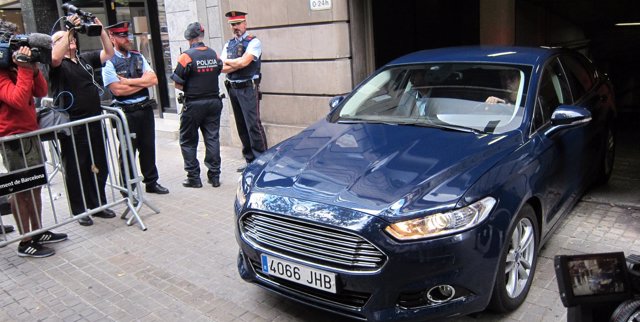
(138, 108)
(197, 71)
(243, 88)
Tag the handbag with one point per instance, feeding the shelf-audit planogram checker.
(51, 116)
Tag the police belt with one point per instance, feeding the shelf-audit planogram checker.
(200, 98)
(239, 85)
(129, 108)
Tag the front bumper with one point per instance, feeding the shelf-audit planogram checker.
(396, 290)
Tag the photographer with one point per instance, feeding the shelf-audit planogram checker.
(18, 85)
(74, 87)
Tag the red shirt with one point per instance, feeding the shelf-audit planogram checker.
(17, 108)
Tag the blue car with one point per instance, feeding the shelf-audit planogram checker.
(428, 191)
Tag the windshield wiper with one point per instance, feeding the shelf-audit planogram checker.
(355, 120)
(446, 127)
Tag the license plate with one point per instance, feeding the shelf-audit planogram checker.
(300, 274)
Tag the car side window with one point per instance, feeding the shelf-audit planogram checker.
(581, 76)
(553, 91)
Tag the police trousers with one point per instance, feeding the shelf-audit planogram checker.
(142, 122)
(246, 111)
(203, 115)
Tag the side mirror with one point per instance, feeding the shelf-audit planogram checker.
(566, 116)
(335, 101)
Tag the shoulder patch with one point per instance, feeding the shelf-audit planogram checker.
(250, 37)
(184, 59)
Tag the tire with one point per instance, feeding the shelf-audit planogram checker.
(517, 264)
(627, 311)
(605, 167)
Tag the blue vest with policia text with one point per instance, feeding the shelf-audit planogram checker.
(236, 48)
(130, 67)
(201, 76)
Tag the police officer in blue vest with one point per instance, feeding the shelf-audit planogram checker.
(241, 57)
(197, 76)
(128, 76)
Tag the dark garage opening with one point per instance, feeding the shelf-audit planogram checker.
(615, 49)
(402, 27)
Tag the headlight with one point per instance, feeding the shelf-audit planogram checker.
(442, 223)
(241, 196)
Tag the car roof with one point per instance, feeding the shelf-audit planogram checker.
(489, 54)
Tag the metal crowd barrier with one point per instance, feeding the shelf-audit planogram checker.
(48, 175)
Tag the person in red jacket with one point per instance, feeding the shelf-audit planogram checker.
(18, 85)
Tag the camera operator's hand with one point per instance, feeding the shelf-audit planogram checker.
(22, 56)
(97, 21)
(75, 20)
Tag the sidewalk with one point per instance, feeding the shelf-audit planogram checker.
(183, 268)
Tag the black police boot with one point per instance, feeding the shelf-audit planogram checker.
(192, 183)
(107, 213)
(214, 181)
(7, 229)
(157, 188)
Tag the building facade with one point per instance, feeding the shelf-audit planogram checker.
(316, 49)
(312, 49)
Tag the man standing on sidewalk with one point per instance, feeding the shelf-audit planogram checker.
(197, 75)
(241, 57)
(128, 76)
(74, 88)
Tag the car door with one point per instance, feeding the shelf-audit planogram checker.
(559, 154)
(589, 92)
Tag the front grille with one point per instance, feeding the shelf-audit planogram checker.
(352, 300)
(311, 242)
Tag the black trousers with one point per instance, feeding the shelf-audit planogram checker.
(142, 123)
(85, 167)
(203, 115)
(246, 111)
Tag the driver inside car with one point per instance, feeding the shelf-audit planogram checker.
(415, 100)
(510, 81)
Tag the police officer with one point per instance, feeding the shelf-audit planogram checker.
(197, 75)
(128, 76)
(241, 57)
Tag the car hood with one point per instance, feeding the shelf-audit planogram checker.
(381, 169)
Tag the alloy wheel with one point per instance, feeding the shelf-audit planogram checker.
(520, 258)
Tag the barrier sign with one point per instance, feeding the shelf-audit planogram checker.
(22, 180)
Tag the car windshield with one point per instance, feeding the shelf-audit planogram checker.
(483, 97)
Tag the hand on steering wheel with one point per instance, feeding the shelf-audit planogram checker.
(494, 100)
(493, 108)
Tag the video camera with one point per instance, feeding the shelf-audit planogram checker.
(599, 287)
(87, 26)
(40, 45)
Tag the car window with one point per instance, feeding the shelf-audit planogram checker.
(479, 96)
(553, 91)
(580, 74)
